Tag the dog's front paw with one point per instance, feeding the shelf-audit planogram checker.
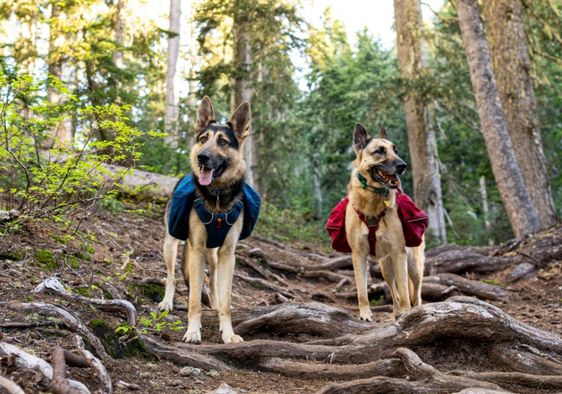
(166, 305)
(192, 336)
(365, 314)
(233, 338)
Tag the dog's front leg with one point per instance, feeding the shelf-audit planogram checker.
(360, 271)
(212, 260)
(196, 269)
(388, 275)
(171, 245)
(400, 264)
(225, 272)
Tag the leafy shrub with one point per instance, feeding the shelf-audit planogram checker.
(63, 183)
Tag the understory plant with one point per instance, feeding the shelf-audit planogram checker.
(62, 181)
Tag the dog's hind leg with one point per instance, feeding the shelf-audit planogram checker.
(196, 268)
(416, 263)
(212, 260)
(361, 277)
(171, 246)
(400, 268)
(225, 272)
(388, 275)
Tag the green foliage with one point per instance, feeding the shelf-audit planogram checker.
(46, 260)
(65, 183)
(288, 225)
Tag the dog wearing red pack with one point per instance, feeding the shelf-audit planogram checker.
(378, 219)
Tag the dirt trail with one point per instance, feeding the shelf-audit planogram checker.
(120, 255)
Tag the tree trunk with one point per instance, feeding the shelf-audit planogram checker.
(119, 32)
(171, 116)
(243, 87)
(421, 136)
(512, 66)
(60, 135)
(485, 209)
(517, 202)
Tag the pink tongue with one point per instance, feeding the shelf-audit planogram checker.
(205, 177)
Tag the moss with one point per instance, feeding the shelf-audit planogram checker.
(493, 282)
(46, 260)
(112, 342)
(150, 291)
(377, 301)
(15, 255)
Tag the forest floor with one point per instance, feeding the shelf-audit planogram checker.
(120, 254)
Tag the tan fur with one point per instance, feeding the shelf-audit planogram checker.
(402, 267)
(220, 260)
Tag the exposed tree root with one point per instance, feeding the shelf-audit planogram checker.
(440, 287)
(469, 287)
(180, 357)
(386, 367)
(53, 285)
(69, 319)
(51, 375)
(375, 355)
(328, 275)
(105, 380)
(312, 319)
(331, 264)
(526, 359)
(264, 284)
(9, 386)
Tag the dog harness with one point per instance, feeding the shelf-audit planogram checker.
(414, 222)
(184, 199)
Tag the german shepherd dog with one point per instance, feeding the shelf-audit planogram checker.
(378, 165)
(219, 168)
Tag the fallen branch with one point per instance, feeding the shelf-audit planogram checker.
(69, 319)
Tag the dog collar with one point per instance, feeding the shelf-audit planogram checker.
(384, 191)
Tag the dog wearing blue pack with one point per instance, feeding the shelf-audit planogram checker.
(211, 209)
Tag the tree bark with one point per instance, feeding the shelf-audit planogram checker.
(421, 136)
(119, 32)
(243, 87)
(171, 115)
(505, 30)
(515, 196)
(60, 135)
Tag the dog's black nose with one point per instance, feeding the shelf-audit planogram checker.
(203, 158)
(401, 167)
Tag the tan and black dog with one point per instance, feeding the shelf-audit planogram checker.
(219, 168)
(372, 194)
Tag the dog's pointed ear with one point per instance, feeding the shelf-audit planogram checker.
(382, 133)
(205, 114)
(240, 120)
(360, 137)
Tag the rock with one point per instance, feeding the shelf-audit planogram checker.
(225, 389)
(213, 373)
(190, 371)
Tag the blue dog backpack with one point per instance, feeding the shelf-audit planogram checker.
(184, 199)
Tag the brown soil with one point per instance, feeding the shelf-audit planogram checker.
(118, 250)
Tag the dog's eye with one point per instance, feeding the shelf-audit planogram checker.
(203, 139)
(222, 142)
(380, 151)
